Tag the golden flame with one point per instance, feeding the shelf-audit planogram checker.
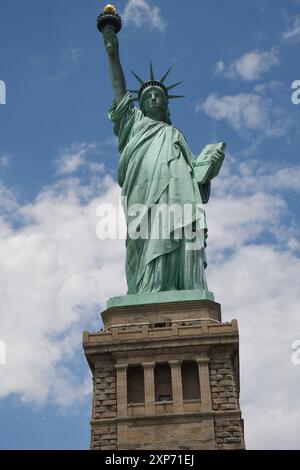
(110, 9)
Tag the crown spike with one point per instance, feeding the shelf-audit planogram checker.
(152, 82)
(138, 78)
(165, 75)
(172, 97)
(173, 86)
(151, 72)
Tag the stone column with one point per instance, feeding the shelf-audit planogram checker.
(176, 386)
(149, 387)
(121, 389)
(205, 390)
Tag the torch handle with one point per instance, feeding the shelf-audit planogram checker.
(110, 39)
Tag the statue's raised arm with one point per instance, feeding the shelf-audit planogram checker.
(109, 26)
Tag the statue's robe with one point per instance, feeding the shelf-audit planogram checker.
(155, 169)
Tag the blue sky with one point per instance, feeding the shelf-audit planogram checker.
(58, 162)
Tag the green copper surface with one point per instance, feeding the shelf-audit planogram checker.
(157, 170)
(160, 297)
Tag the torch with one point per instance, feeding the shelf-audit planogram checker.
(109, 17)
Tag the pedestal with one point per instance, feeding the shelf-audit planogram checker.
(166, 376)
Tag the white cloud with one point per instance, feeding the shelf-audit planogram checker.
(8, 201)
(140, 13)
(293, 33)
(5, 160)
(246, 177)
(75, 157)
(249, 217)
(246, 112)
(54, 276)
(270, 87)
(219, 67)
(242, 111)
(8, 204)
(69, 59)
(250, 66)
(73, 55)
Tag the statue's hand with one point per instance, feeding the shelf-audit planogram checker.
(110, 40)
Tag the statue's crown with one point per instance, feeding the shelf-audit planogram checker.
(152, 82)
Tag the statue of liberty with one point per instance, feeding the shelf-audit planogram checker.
(157, 170)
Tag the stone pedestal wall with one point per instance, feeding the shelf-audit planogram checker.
(168, 334)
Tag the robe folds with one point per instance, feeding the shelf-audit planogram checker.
(163, 203)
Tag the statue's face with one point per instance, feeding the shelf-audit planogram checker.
(153, 101)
